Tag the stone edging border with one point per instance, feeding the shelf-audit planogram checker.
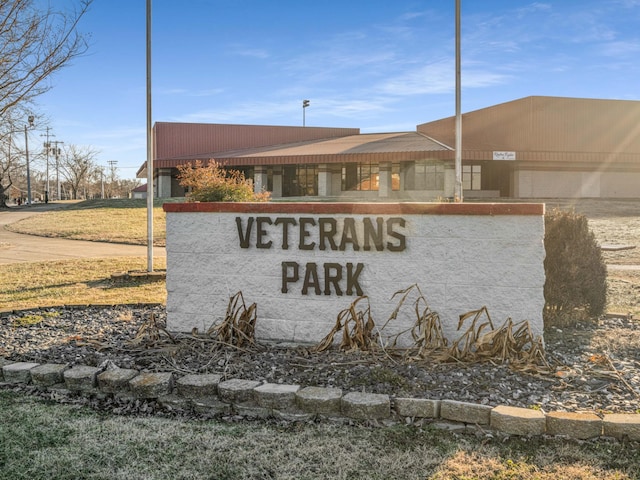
(209, 394)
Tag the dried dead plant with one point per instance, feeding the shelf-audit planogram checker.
(464, 346)
(608, 370)
(426, 332)
(511, 343)
(151, 332)
(357, 328)
(238, 327)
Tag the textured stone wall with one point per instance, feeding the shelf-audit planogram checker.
(462, 256)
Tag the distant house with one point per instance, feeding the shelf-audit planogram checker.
(534, 147)
(139, 192)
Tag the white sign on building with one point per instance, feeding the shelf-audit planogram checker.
(503, 155)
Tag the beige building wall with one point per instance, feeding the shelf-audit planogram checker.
(558, 184)
(620, 185)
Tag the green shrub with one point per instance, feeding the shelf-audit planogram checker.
(575, 287)
(213, 183)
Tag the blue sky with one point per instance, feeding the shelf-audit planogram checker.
(376, 65)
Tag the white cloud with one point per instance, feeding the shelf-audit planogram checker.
(532, 8)
(629, 3)
(169, 91)
(238, 50)
(120, 133)
(620, 48)
(290, 113)
(207, 93)
(186, 92)
(242, 112)
(353, 108)
(439, 78)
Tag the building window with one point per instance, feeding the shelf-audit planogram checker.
(299, 180)
(471, 177)
(246, 171)
(395, 177)
(360, 176)
(427, 175)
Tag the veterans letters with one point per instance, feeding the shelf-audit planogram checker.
(324, 233)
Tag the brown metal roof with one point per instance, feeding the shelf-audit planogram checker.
(365, 143)
(547, 124)
(374, 147)
(187, 139)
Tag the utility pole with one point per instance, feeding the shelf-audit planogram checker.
(56, 154)
(112, 175)
(47, 147)
(102, 182)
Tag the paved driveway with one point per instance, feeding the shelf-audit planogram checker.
(17, 248)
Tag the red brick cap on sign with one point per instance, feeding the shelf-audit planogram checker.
(360, 208)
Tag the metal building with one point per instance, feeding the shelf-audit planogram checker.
(534, 147)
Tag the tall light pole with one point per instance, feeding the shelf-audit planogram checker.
(305, 104)
(458, 193)
(30, 119)
(149, 149)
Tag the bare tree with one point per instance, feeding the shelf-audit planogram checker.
(12, 166)
(125, 187)
(77, 166)
(8, 166)
(35, 42)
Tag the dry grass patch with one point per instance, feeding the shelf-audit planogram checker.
(81, 281)
(471, 465)
(623, 291)
(116, 221)
(39, 440)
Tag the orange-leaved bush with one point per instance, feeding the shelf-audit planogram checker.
(213, 183)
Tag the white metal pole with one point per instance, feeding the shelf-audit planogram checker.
(58, 197)
(149, 149)
(47, 192)
(458, 194)
(47, 147)
(26, 151)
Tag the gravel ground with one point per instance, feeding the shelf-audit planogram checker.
(594, 367)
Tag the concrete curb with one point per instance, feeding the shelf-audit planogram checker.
(208, 394)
